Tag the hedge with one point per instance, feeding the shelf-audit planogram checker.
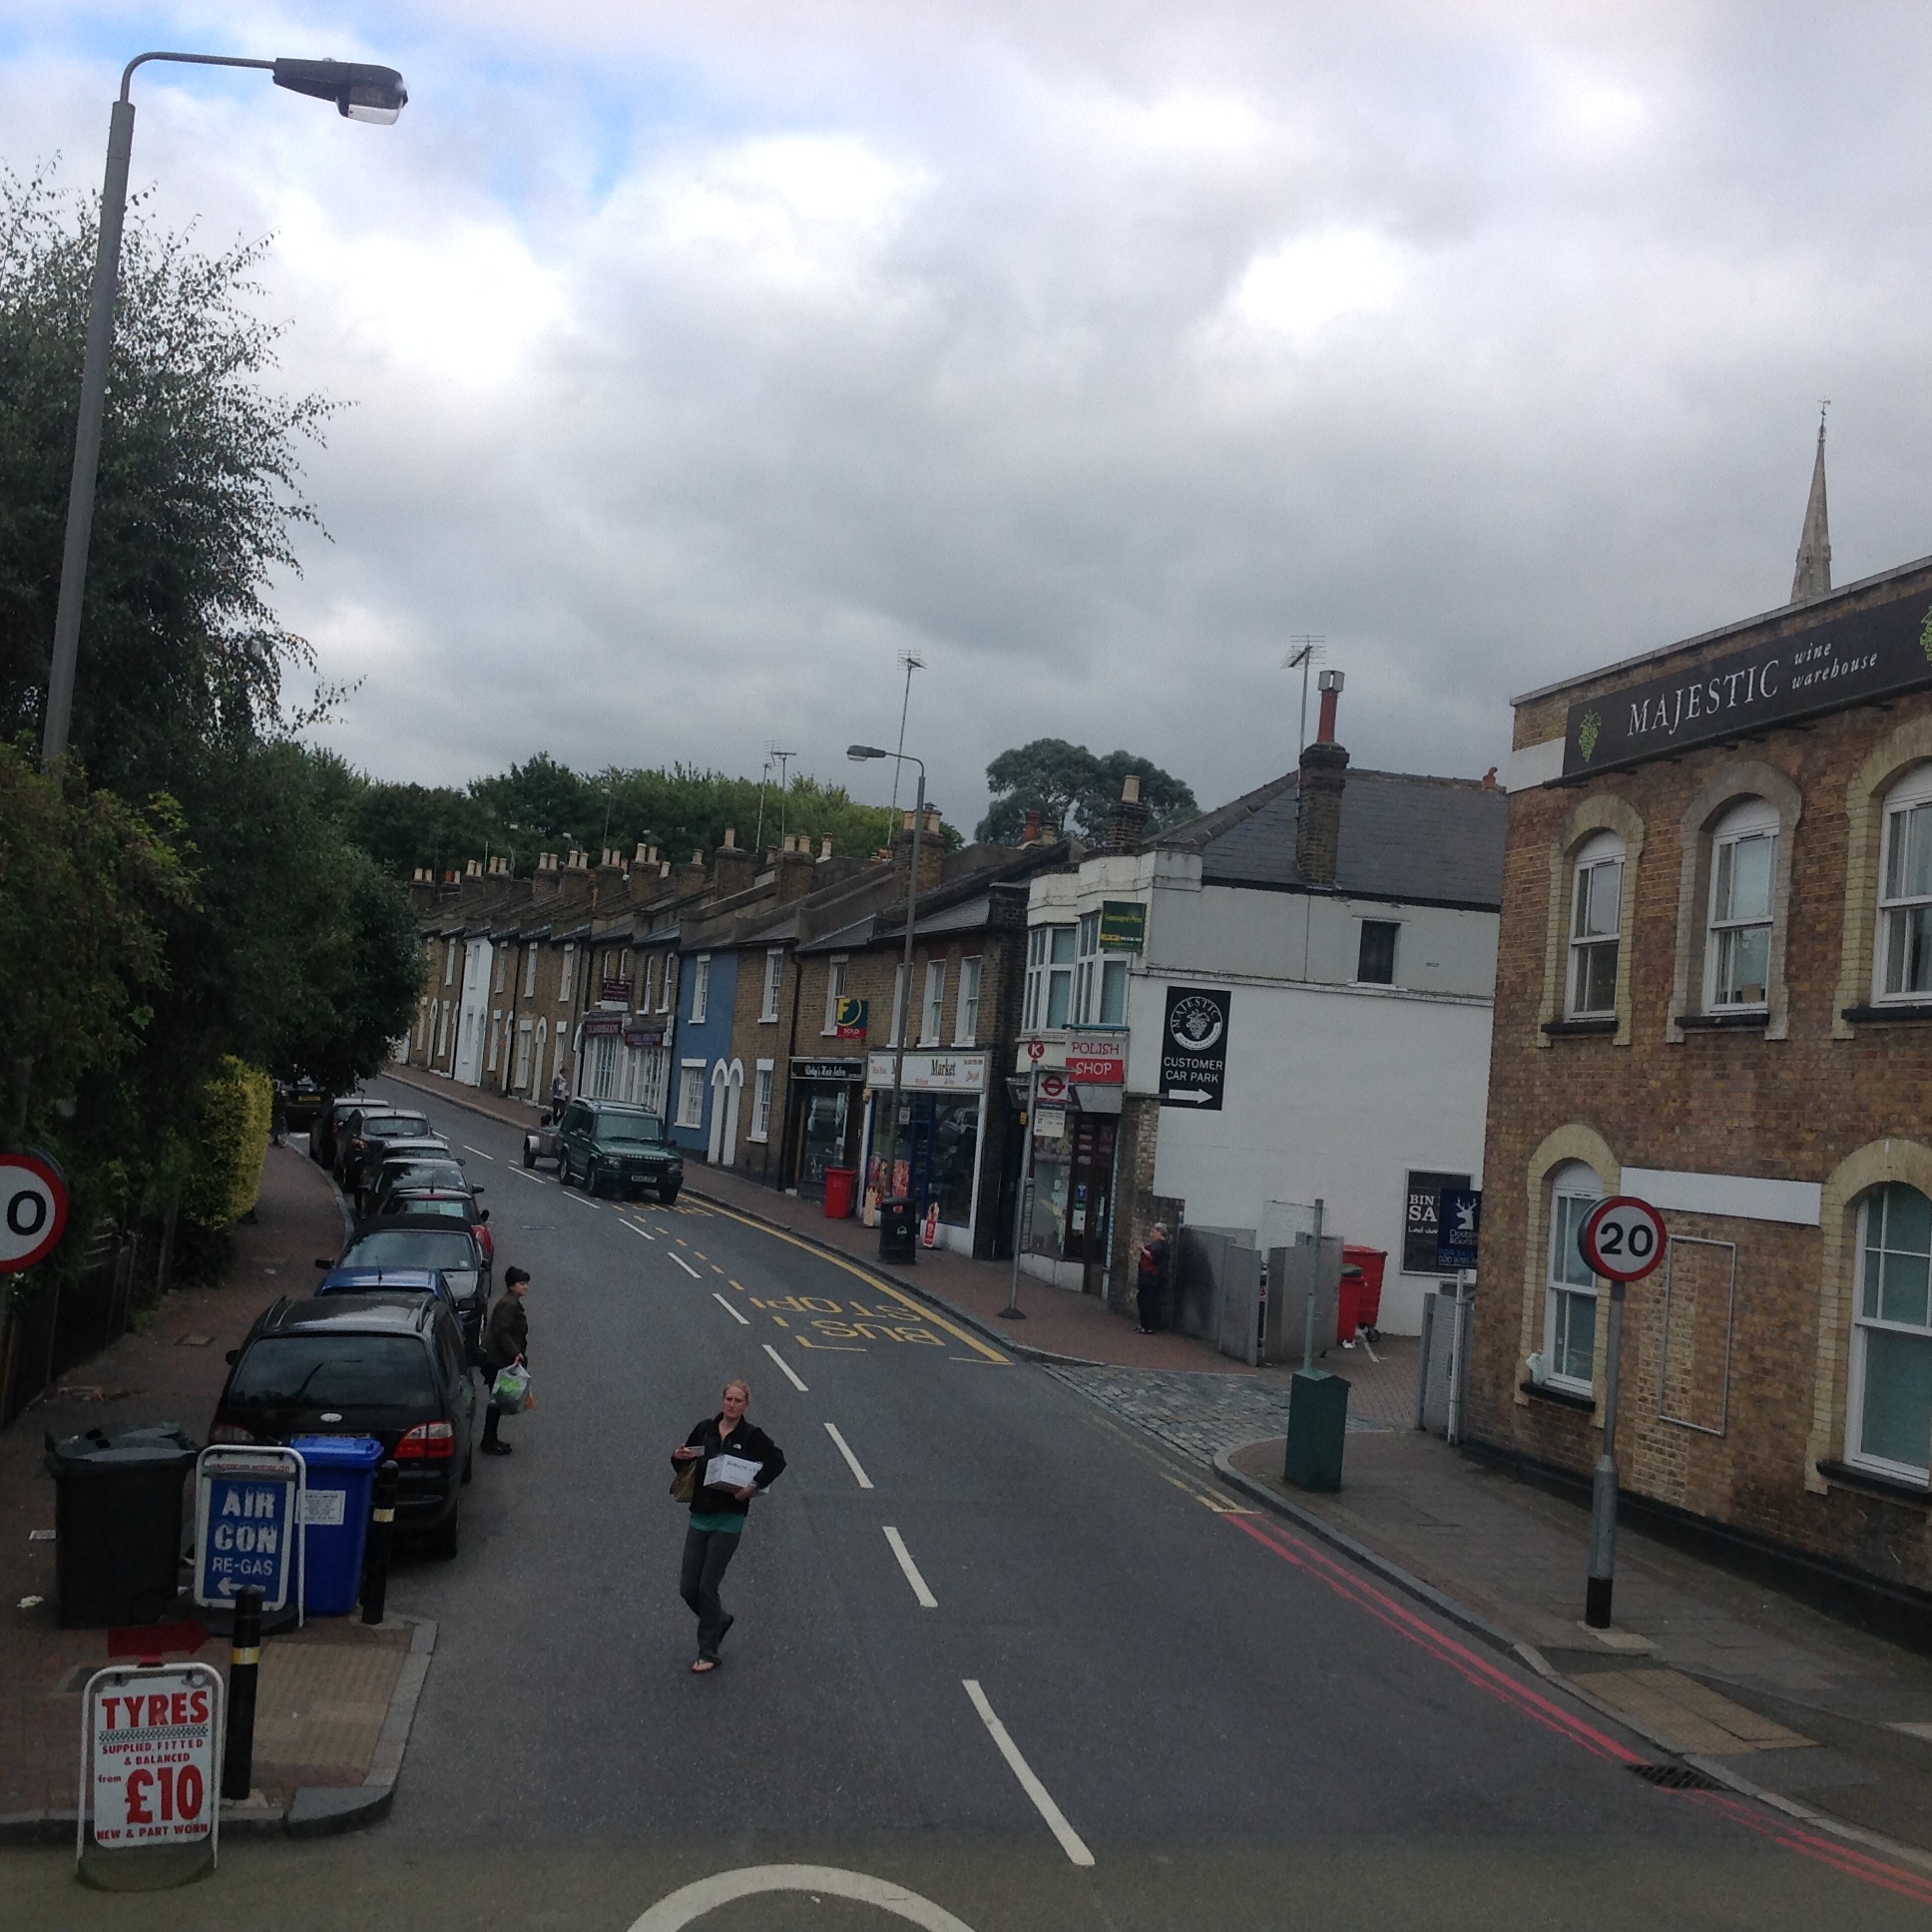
(231, 1118)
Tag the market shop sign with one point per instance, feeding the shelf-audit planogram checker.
(954, 1073)
(1850, 660)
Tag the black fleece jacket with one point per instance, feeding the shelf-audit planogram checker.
(746, 1440)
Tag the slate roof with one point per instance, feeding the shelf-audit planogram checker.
(1406, 839)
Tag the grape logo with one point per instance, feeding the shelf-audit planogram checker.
(1195, 1024)
(1925, 635)
(1587, 733)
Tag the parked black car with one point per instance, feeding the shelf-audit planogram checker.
(426, 1241)
(609, 1145)
(364, 1136)
(325, 1130)
(403, 1170)
(390, 1367)
(301, 1100)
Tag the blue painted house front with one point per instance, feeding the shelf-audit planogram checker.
(706, 1085)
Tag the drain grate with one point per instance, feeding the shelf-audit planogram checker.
(1675, 1777)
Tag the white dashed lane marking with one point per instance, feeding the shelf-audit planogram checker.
(1070, 1842)
(784, 1367)
(688, 1269)
(730, 1311)
(843, 1447)
(927, 1600)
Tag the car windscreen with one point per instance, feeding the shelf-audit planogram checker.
(369, 1371)
(408, 1173)
(629, 1127)
(397, 1126)
(413, 1203)
(416, 1247)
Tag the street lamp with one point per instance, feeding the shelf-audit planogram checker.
(361, 93)
(859, 753)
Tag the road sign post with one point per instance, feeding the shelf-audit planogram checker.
(1036, 1051)
(150, 1807)
(1623, 1239)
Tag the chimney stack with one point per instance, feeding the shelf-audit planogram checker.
(932, 854)
(732, 869)
(1031, 835)
(1324, 773)
(1126, 819)
(826, 847)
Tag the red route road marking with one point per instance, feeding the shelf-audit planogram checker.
(1484, 1675)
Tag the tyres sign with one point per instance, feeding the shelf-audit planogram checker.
(1193, 1048)
(150, 1770)
(33, 1210)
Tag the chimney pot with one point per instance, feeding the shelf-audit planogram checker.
(1032, 834)
(1329, 684)
(826, 847)
(731, 839)
(1489, 781)
(1131, 788)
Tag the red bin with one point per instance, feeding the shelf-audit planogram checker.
(841, 1184)
(1374, 1263)
(1349, 1303)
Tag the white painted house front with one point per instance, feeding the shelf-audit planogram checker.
(1355, 944)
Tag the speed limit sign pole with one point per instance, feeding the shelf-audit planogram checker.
(1621, 1240)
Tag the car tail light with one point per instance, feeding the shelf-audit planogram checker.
(227, 1432)
(427, 1442)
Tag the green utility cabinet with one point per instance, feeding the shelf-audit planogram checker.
(1318, 1422)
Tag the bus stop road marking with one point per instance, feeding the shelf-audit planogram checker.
(791, 1374)
(688, 1269)
(1070, 1840)
(983, 1349)
(741, 1321)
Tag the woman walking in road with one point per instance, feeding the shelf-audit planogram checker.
(739, 1460)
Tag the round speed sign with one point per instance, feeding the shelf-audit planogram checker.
(1622, 1239)
(33, 1210)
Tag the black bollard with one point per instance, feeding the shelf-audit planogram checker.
(382, 1531)
(245, 1666)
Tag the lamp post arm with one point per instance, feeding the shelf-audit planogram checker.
(904, 1003)
(190, 60)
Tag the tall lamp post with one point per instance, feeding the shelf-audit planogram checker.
(361, 93)
(858, 753)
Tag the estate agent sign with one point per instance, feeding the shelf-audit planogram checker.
(1843, 660)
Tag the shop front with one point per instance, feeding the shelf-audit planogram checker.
(1074, 1088)
(822, 1126)
(935, 1144)
(647, 1063)
(602, 1055)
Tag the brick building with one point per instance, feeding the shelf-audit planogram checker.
(1715, 992)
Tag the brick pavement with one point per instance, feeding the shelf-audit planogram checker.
(327, 1691)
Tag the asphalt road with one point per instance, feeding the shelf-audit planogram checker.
(1031, 1670)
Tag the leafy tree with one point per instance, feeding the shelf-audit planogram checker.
(1072, 790)
(195, 503)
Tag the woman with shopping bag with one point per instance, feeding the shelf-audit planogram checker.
(720, 1466)
(506, 1345)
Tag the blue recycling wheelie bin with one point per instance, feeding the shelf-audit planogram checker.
(341, 1476)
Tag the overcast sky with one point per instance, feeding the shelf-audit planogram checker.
(708, 356)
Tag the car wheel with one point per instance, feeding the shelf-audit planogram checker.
(443, 1540)
(667, 1195)
(469, 1465)
(593, 1179)
(528, 1154)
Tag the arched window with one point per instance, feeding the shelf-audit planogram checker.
(1743, 871)
(1595, 912)
(1889, 1416)
(1570, 1321)
(1903, 968)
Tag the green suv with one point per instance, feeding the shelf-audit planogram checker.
(610, 1149)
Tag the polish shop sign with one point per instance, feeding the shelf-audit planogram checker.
(1825, 667)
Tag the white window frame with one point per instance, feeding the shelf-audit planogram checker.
(449, 962)
(1050, 967)
(900, 1018)
(566, 975)
(691, 1083)
(673, 972)
(1747, 820)
(1864, 1326)
(764, 1078)
(1913, 792)
(1396, 952)
(700, 988)
(972, 973)
(773, 985)
(838, 971)
(521, 1077)
(1086, 969)
(932, 1013)
(502, 967)
(1563, 1272)
(1113, 990)
(530, 953)
(1597, 867)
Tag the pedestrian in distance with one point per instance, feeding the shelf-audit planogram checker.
(719, 1510)
(1154, 1272)
(559, 1092)
(506, 1342)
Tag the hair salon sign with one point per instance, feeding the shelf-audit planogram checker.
(1845, 661)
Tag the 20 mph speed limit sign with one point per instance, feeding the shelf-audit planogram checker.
(1622, 1239)
(33, 1210)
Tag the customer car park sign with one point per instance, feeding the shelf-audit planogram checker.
(1193, 1048)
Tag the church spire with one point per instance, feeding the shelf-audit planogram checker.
(1812, 577)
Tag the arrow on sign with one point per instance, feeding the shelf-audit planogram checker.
(1187, 1092)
